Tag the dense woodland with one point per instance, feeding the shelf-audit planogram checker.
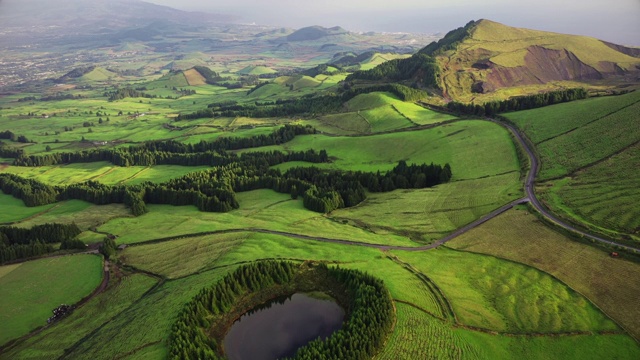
(214, 190)
(120, 94)
(369, 309)
(422, 69)
(20, 243)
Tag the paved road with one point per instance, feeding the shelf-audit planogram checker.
(531, 194)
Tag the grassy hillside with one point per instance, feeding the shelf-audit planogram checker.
(497, 56)
(485, 61)
(588, 151)
(156, 310)
(256, 70)
(519, 236)
(31, 290)
(54, 341)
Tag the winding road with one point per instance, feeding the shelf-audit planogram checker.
(529, 188)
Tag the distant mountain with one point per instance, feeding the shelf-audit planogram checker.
(113, 14)
(484, 57)
(312, 33)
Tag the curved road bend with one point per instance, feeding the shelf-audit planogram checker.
(531, 195)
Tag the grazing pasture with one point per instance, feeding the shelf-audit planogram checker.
(31, 290)
(611, 284)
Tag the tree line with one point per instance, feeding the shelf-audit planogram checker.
(519, 102)
(322, 104)
(9, 135)
(124, 93)
(214, 190)
(369, 308)
(211, 153)
(20, 243)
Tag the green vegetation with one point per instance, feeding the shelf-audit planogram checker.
(61, 337)
(195, 254)
(427, 215)
(588, 150)
(489, 293)
(102, 172)
(419, 336)
(259, 209)
(32, 289)
(132, 157)
(20, 243)
(370, 310)
(519, 236)
(14, 209)
(256, 70)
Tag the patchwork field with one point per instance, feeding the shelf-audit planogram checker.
(473, 148)
(420, 336)
(510, 288)
(494, 294)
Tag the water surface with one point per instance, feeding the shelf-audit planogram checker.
(282, 326)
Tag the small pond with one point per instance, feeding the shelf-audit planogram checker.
(281, 327)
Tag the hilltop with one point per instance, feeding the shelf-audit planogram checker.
(484, 58)
(311, 33)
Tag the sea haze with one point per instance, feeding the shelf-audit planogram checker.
(595, 18)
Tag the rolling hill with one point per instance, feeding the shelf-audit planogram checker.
(485, 60)
(311, 33)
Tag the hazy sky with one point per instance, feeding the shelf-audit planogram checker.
(617, 21)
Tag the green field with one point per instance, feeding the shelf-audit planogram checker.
(473, 148)
(31, 290)
(14, 209)
(571, 136)
(510, 288)
(143, 327)
(517, 235)
(494, 294)
(103, 172)
(420, 336)
(55, 340)
(259, 209)
(589, 150)
(429, 214)
(174, 259)
(83, 214)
